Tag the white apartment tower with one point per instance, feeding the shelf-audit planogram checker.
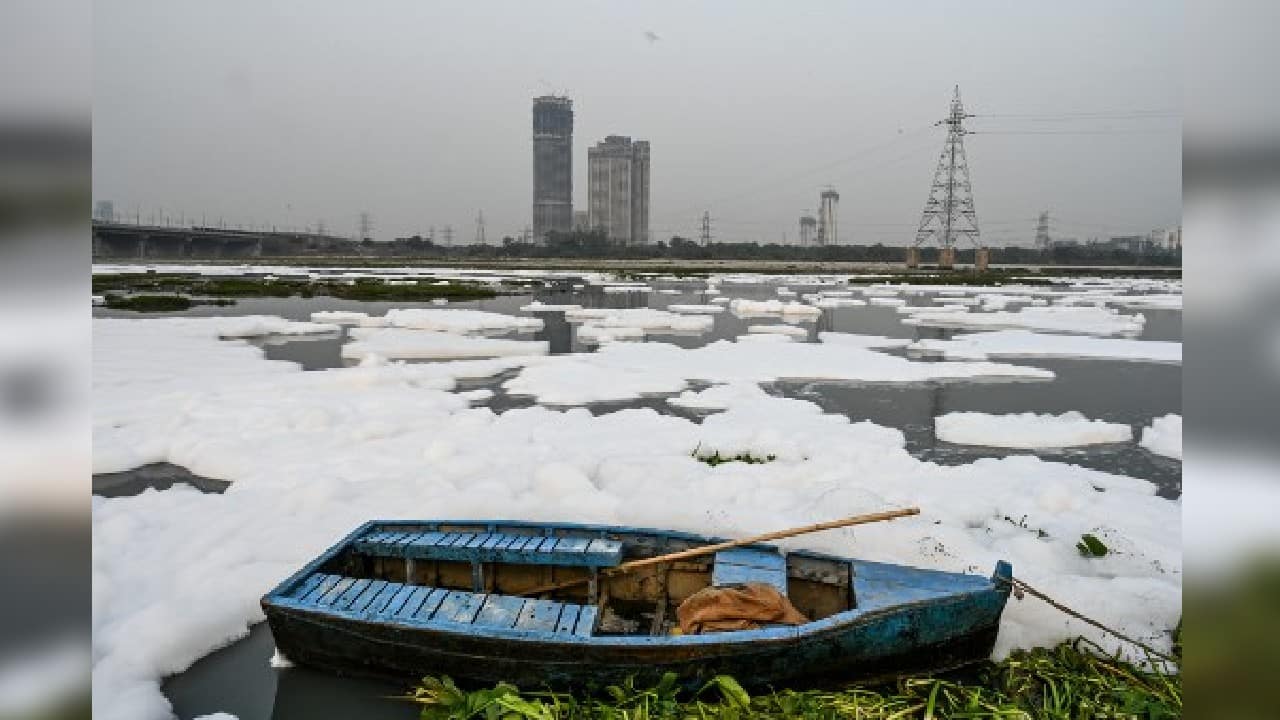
(619, 189)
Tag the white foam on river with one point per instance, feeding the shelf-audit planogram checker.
(1024, 343)
(1027, 430)
(178, 574)
(404, 344)
(1060, 319)
(1164, 436)
(628, 371)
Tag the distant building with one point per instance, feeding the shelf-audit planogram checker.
(1166, 239)
(808, 229)
(105, 211)
(830, 200)
(1131, 243)
(581, 221)
(619, 189)
(552, 165)
(1062, 242)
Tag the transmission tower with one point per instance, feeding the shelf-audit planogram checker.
(448, 234)
(1042, 231)
(705, 236)
(480, 228)
(948, 213)
(366, 226)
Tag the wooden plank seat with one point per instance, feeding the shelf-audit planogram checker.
(739, 566)
(380, 600)
(492, 547)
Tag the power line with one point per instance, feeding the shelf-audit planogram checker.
(1088, 115)
(775, 181)
(1073, 132)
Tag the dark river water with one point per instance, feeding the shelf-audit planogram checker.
(238, 679)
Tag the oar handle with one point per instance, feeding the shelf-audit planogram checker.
(777, 535)
(717, 547)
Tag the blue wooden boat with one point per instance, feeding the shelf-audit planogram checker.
(404, 599)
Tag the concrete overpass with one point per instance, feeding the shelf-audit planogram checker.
(116, 240)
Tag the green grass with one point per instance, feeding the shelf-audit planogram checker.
(1072, 681)
(716, 458)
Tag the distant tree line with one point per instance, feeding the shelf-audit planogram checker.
(115, 242)
(594, 244)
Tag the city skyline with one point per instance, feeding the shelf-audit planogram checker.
(406, 120)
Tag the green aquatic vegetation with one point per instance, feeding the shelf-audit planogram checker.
(138, 282)
(1091, 546)
(148, 303)
(249, 287)
(245, 287)
(380, 290)
(1072, 681)
(716, 458)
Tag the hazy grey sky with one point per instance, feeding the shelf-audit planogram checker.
(419, 111)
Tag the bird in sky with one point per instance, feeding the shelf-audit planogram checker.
(651, 36)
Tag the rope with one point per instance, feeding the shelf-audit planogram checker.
(1023, 587)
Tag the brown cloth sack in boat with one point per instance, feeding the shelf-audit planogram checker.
(738, 607)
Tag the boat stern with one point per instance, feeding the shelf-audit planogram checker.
(1003, 577)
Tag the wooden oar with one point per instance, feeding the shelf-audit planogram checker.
(717, 547)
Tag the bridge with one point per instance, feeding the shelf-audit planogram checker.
(125, 241)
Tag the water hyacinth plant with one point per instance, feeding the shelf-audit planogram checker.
(1072, 681)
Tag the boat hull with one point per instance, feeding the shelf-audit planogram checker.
(905, 620)
(932, 637)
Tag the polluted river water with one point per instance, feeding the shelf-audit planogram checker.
(240, 678)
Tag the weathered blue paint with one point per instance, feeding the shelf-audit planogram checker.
(727, 575)
(492, 547)
(739, 566)
(904, 616)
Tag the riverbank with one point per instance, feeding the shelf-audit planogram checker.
(675, 267)
(179, 287)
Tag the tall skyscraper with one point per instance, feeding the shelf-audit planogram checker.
(808, 229)
(619, 189)
(827, 217)
(552, 165)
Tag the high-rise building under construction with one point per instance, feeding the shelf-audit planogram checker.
(808, 229)
(552, 165)
(828, 202)
(619, 189)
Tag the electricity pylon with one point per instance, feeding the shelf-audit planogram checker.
(949, 214)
